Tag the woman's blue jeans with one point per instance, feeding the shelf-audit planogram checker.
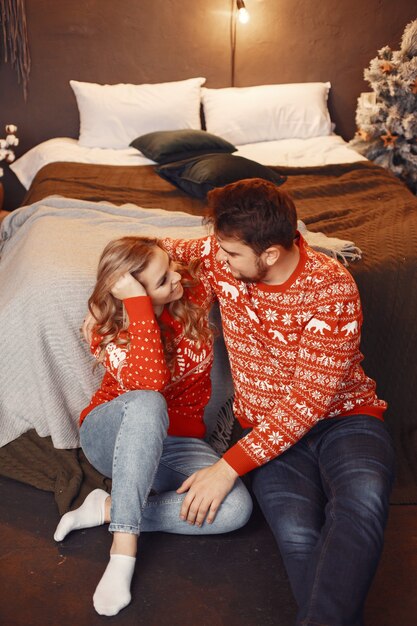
(126, 439)
(326, 500)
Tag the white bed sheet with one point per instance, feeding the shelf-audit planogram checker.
(326, 150)
(314, 151)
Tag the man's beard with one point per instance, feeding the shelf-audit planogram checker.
(261, 272)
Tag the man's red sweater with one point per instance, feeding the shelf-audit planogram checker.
(293, 349)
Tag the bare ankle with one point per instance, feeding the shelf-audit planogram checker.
(124, 543)
(107, 507)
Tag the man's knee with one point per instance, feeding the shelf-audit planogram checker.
(364, 489)
(366, 499)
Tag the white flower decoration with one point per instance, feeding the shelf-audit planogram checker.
(6, 154)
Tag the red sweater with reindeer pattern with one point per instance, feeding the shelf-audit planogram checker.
(293, 349)
(141, 365)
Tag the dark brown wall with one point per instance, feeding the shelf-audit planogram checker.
(159, 40)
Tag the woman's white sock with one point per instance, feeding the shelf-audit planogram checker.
(113, 591)
(90, 513)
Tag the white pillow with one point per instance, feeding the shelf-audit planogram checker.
(263, 113)
(111, 116)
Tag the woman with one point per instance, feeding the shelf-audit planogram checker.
(144, 426)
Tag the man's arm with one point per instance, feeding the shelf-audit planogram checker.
(185, 250)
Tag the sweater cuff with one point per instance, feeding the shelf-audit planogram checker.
(237, 458)
(139, 308)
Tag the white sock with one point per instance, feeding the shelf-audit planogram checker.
(90, 513)
(113, 591)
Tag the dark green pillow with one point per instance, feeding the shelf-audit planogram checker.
(199, 175)
(166, 146)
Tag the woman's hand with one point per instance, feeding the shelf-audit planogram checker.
(127, 287)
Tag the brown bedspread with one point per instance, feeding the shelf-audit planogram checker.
(360, 202)
(116, 183)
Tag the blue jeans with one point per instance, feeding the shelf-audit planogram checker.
(126, 440)
(326, 500)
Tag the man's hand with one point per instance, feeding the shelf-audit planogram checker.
(207, 488)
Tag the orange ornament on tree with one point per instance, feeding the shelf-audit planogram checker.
(389, 139)
(386, 67)
(362, 134)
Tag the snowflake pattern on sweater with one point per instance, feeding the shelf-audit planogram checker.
(141, 364)
(293, 349)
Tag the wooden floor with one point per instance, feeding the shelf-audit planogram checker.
(231, 580)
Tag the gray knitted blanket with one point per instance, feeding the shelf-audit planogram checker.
(48, 258)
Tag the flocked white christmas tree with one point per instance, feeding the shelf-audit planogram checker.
(387, 117)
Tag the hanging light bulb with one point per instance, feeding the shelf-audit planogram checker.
(242, 12)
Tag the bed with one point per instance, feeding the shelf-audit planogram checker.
(80, 196)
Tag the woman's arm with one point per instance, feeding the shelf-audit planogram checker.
(140, 364)
(125, 287)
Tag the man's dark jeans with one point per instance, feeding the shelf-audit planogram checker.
(326, 500)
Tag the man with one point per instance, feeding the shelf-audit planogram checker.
(314, 440)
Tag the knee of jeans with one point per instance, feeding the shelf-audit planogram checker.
(366, 498)
(150, 405)
(240, 506)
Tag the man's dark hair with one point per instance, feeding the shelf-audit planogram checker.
(254, 211)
